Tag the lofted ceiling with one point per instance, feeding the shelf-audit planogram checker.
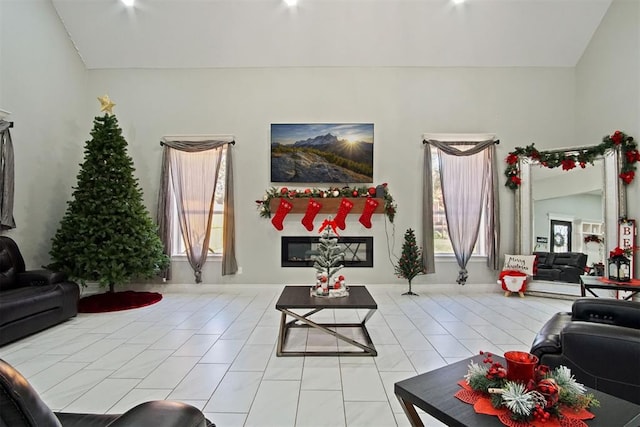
(267, 33)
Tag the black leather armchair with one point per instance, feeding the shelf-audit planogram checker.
(20, 406)
(31, 300)
(599, 341)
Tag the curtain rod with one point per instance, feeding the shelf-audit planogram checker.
(497, 141)
(230, 142)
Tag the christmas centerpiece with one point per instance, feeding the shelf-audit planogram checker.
(525, 393)
(327, 264)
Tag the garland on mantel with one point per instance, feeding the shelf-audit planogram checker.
(554, 159)
(332, 192)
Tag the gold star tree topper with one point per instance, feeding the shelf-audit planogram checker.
(105, 104)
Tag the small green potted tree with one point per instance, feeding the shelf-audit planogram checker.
(410, 263)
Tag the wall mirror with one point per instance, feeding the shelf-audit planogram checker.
(556, 209)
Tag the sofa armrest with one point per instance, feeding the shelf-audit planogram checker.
(547, 341)
(599, 353)
(162, 413)
(40, 277)
(607, 311)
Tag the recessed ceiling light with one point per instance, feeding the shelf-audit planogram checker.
(458, 1)
(128, 3)
(291, 3)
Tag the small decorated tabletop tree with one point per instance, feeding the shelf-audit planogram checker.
(410, 263)
(331, 255)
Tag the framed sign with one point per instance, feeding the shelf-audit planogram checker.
(322, 153)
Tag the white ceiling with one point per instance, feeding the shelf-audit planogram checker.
(267, 33)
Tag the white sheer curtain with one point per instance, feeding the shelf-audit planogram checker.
(468, 180)
(191, 169)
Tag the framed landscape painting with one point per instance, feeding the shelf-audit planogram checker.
(322, 153)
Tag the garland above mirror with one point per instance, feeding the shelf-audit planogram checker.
(571, 159)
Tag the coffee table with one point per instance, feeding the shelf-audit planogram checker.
(299, 297)
(593, 282)
(434, 391)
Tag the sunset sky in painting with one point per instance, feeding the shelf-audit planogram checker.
(287, 134)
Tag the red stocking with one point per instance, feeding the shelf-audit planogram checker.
(343, 211)
(283, 210)
(369, 206)
(312, 210)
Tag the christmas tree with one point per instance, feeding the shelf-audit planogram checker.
(330, 254)
(410, 263)
(107, 234)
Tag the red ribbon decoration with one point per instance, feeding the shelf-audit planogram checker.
(331, 224)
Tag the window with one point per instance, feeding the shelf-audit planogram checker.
(217, 222)
(441, 241)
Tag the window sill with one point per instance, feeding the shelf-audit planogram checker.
(452, 258)
(183, 258)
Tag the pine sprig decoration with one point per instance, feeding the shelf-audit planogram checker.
(519, 401)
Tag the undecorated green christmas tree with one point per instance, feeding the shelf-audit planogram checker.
(107, 234)
(410, 263)
(330, 255)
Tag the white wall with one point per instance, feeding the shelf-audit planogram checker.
(519, 105)
(43, 83)
(608, 85)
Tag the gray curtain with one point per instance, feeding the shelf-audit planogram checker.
(194, 190)
(468, 178)
(7, 175)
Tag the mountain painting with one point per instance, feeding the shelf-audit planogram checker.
(322, 153)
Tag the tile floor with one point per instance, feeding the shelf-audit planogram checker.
(215, 349)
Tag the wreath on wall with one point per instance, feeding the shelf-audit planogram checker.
(558, 240)
(553, 159)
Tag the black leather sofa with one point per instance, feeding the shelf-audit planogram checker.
(31, 300)
(561, 266)
(599, 341)
(20, 406)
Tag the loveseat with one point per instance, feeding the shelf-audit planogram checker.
(20, 406)
(599, 340)
(560, 266)
(31, 300)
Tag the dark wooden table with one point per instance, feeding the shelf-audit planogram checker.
(434, 391)
(593, 282)
(299, 297)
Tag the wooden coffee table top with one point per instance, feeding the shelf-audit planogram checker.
(434, 392)
(300, 297)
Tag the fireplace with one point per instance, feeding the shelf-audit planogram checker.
(300, 251)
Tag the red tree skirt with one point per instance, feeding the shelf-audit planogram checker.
(117, 301)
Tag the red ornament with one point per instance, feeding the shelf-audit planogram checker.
(512, 159)
(627, 177)
(516, 180)
(307, 191)
(616, 137)
(372, 191)
(284, 190)
(583, 165)
(336, 285)
(341, 277)
(568, 164)
(355, 193)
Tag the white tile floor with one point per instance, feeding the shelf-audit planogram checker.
(215, 349)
